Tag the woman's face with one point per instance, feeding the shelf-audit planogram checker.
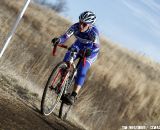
(83, 26)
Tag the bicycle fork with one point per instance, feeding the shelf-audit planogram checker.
(59, 85)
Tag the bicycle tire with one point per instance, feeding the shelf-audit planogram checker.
(51, 107)
(64, 111)
(64, 108)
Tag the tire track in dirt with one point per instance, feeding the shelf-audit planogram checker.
(16, 114)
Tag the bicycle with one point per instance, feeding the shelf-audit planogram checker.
(59, 82)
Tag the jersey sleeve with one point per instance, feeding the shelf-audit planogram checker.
(67, 34)
(96, 42)
(95, 48)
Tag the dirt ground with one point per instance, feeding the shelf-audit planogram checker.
(16, 113)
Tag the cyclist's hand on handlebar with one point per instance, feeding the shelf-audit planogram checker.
(88, 52)
(55, 41)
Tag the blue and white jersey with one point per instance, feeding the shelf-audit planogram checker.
(89, 37)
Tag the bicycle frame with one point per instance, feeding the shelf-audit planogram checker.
(65, 73)
(70, 63)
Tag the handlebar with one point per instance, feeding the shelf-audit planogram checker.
(66, 47)
(55, 48)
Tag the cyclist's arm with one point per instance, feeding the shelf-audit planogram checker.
(96, 45)
(68, 34)
(95, 48)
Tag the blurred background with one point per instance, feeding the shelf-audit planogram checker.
(132, 24)
(121, 88)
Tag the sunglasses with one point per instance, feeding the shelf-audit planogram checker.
(83, 24)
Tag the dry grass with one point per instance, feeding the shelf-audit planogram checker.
(122, 88)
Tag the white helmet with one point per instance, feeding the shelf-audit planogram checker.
(87, 17)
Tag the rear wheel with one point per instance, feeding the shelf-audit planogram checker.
(54, 88)
(64, 108)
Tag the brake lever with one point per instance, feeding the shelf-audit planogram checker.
(54, 50)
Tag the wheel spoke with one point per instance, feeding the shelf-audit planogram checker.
(53, 90)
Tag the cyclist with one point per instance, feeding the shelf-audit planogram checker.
(87, 38)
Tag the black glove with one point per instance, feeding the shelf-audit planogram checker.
(55, 41)
(88, 52)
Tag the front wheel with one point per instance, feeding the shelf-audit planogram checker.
(54, 89)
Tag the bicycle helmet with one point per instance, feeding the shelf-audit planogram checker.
(87, 17)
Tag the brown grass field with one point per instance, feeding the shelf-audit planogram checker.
(122, 87)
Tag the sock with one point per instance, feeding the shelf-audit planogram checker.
(74, 94)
